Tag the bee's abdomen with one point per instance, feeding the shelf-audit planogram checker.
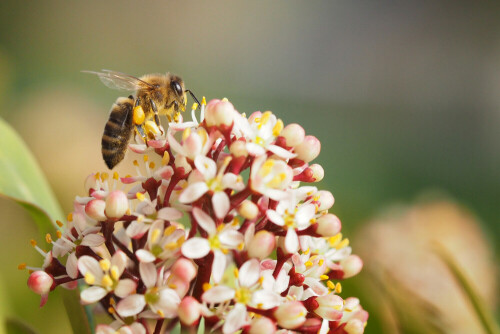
(117, 131)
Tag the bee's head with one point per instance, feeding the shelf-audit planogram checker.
(178, 89)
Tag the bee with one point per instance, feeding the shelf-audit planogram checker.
(155, 94)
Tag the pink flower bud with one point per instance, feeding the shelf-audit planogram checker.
(309, 149)
(351, 266)
(291, 315)
(238, 149)
(329, 225)
(354, 326)
(248, 209)
(179, 285)
(95, 209)
(325, 200)
(90, 183)
(261, 245)
(184, 269)
(262, 325)
(40, 282)
(330, 307)
(189, 311)
(219, 112)
(318, 172)
(294, 134)
(116, 204)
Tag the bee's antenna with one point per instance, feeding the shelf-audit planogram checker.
(194, 97)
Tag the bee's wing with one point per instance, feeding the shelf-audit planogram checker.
(118, 80)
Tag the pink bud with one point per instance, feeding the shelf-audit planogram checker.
(40, 282)
(238, 149)
(291, 315)
(189, 311)
(354, 326)
(116, 204)
(325, 200)
(184, 269)
(330, 307)
(179, 285)
(90, 183)
(262, 325)
(329, 225)
(309, 149)
(248, 209)
(95, 209)
(294, 134)
(219, 112)
(351, 266)
(261, 245)
(318, 172)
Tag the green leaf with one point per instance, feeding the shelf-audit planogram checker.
(22, 180)
(80, 316)
(17, 326)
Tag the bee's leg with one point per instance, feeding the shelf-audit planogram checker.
(139, 117)
(140, 130)
(157, 117)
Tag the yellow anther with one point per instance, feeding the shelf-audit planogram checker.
(308, 264)
(330, 285)
(59, 234)
(140, 196)
(160, 313)
(136, 163)
(265, 117)
(261, 279)
(177, 115)
(97, 176)
(155, 234)
(342, 244)
(313, 221)
(172, 286)
(171, 246)
(259, 141)
(106, 281)
(139, 115)
(21, 266)
(104, 176)
(112, 301)
(105, 264)
(116, 176)
(320, 262)
(224, 251)
(260, 305)
(166, 158)
(338, 288)
(128, 212)
(225, 99)
(89, 278)
(333, 241)
(241, 246)
(203, 101)
(236, 273)
(306, 251)
(186, 133)
(152, 128)
(70, 217)
(180, 241)
(59, 223)
(145, 157)
(195, 105)
(169, 230)
(114, 273)
(128, 175)
(111, 310)
(33, 242)
(278, 127)
(206, 286)
(337, 307)
(48, 238)
(152, 165)
(323, 277)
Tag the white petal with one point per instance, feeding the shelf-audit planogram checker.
(281, 152)
(255, 150)
(148, 274)
(291, 241)
(137, 328)
(249, 273)
(220, 203)
(137, 229)
(275, 217)
(205, 221)
(72, 265)
(92, 240)
(169, 302)
(218, 266)
(193, 192)
(218, 294)
(89, 264)
(125, 287)
(230, 238)
(119, 260)
(236, 319)
(249, 233)
(206, 166)
(131, 305)
(169, 214)
(304, 214)
(174, 144)
(93, 294)
(195, 248)
(230, 180)
(316, 286)
(266, 299)
(145, 256)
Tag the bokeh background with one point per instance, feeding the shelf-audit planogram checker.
(405, 98)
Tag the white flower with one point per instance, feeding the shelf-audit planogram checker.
(195, 142)
(270, 177)
(162, 243)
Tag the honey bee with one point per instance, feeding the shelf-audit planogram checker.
(155, 94)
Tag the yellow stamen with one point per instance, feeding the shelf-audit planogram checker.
(324, 277)
(104, 176)
(111, 310)
(338, 288)
(59, 234)
(206, 286)
(278, 127)
(145, 157)
(171, 246)
(105, 264)
(160, 313)
(106, 281)
(155, 234)
(116, 176)
(114, 273)
(203, 101)
(330, 285)
(261, 279)
(320, 262)
(308, 263)
(342, 244)
(333, 241)
(59, 223)
(21, 266)
(169, 230)
(166, 158)
(70, 217)
(48, 238)
(172, 286)
(136, 163)
(152, 165)
(307, 251)
(241, 246)
(112, 301)
(89, 278)
(337, 307)
(33, 242)
(195, 105)
(186, 133)
(97, 176)
(140, 196)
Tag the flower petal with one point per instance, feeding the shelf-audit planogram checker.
(119, 260)
(87, 264)
(92, 240)
(249, 273)
(206, 166)
(275, 217)
(291, 241)
(218, 266)
(72, 265)
(148, 274)
(125, 287)
(235, 319)
(220, 203)
(195, 248)
(205, 221)
(193, 192)
(145, 256)
(169, 214)
(93, 294)
(218, 294)
(281, 152)
(168, 303)
(230, 238)
(304, 214)
(131, 305)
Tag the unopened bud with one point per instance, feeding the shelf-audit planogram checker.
(219, 112)
(95, 209)
(294, 134)
(248, 209)
(330, 307)
(189, 311)
(261, 245)
(262, 325)
(309, 149)
(238, 149)
(40, 282)
(116, 204)
(325, 200)
(351, 266)
(328, 225)
(318, 172)
(184, 269)
(354, 326)
(291, 315)
(90, 183)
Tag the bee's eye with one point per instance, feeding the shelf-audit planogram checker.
(176, 87)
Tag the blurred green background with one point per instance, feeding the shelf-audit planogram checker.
(404, 97)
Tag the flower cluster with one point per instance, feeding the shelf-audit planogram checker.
(215, 224)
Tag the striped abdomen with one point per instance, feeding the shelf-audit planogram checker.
(117, 131)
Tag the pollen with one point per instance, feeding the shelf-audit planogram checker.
(166, 158)
(160, 313)
(278, 127)
(106, 281)
(59, 223)
(33, 242)
(59, 234)
(342, 244)
(97, 176)
(195, 106)
(48, 238)
(152, 165)
(145, 157)
(169, 230)
(206, 286)
(333, 241)
(136, 163)
(114, 273)
(236, 272)
(21, 266)
(330, 285)
(89, 278)
(307, 251)
(105, 264)
(338, 288)
(320, 262)
(308, 264)
(70, 217)
(138, 115)
(324, 277)
(116, 176)
(140, 196)
(203, 101)
(104, 176)
(111, 310)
